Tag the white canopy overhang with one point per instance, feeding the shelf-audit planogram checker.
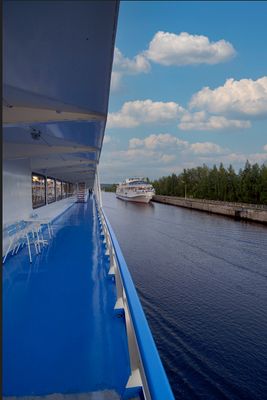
(57, 67)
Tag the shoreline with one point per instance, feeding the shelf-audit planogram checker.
(238, 211)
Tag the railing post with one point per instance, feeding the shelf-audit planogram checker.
(113, 269)
(137, 380)
(98, 188)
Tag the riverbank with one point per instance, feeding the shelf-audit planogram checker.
(241, 211)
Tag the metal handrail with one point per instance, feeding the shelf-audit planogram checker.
(155, 383)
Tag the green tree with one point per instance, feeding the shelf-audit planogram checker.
(249, 185)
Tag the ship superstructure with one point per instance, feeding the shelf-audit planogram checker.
(135, 189)
(73, 324)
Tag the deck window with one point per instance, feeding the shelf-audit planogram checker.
(58, 190)
(51, 190)
(38, 190)
(71, 189)
(64, 190)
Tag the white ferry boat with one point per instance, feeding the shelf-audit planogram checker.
(135, 189)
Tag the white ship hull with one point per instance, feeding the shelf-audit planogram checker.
(135, 189)
(138, 198)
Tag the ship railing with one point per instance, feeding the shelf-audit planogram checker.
(147, 373)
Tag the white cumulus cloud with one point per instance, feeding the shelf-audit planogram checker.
(115, 81)
(137, 154)
(257, 158)
(201, 121)
(139, 64)
(168, 49)
(206, 148)
(247, 97)
(167, 158)
(135, 113)
(107, 139)
(265, 147)
(125, 66)
(157, 141)
(171, 144)
(239, 159)
(184, 49)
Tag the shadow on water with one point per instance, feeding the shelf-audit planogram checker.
(202, 282)
(138, 207)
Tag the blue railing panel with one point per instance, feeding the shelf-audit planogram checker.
(157, 380)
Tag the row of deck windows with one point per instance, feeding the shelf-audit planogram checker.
(48, 190)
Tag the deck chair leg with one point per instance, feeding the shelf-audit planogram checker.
(29, 248)
(9, 247)
(38, 241)
(42, 237)
(36, 248)
(51, 228)
(17, 248)
(14, 250)
(49, 231)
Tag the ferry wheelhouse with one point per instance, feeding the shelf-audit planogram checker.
(73, 326)
(135, 189)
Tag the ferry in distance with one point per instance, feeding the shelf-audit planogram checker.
(135, 189)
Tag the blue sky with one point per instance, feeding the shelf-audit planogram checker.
(189, 86)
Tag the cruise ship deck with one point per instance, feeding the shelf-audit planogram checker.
(60, 332)
(73, 325)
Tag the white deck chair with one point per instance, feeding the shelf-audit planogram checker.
(22, 233)
(28, 236)
(44, 221)
(13, 238)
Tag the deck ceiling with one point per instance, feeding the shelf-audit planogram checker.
(57, 61)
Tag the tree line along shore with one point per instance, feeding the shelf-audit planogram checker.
(249, 185)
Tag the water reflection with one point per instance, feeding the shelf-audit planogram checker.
(202, 282)
(138, 207)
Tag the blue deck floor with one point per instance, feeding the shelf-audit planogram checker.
(60, 334)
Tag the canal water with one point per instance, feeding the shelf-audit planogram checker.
(202, 281)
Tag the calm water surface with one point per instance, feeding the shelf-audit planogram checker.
(202, 281)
